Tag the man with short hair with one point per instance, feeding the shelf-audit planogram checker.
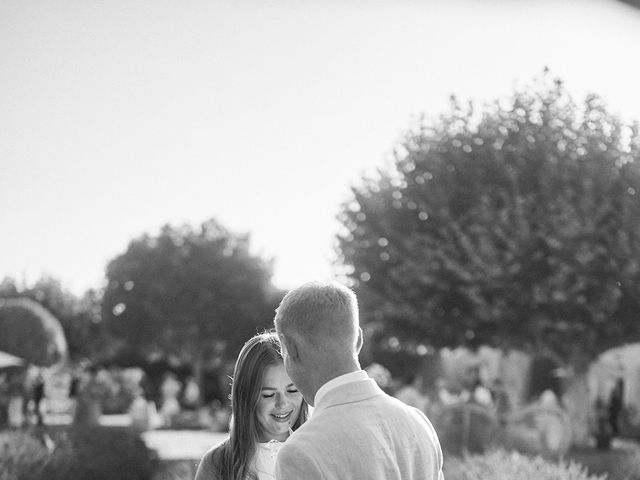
(356, 431)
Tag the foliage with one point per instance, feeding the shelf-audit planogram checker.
(633, 3)
(23, 456)
(98, 453)
(103, 453)
(619, 463)
(79, 317)
(194, 295)
(31, 332)
(502, 465)
(515, 226)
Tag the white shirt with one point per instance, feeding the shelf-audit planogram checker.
(265, 459)
(337, 382)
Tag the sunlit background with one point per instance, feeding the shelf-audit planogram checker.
(118, 117)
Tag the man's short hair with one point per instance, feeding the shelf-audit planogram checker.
(319, 313)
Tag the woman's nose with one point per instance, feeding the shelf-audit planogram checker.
(280, 400)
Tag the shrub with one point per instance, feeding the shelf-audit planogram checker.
(24, 456)
(95, 453)
(621, 462)
(101, 453)
(502, 465)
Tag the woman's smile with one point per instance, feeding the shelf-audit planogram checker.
(282, 417)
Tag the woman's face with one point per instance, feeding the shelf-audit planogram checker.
(278, 406)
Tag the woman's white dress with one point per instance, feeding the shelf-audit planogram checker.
(264, 463)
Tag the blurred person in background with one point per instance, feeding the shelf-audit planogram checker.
(266, 407)
(616, 404)
(356, 430)
(169, 390)
(38, 396)
(412, 393)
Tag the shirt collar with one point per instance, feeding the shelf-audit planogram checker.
(337, 382)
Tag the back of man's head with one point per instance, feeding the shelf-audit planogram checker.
(321, 315)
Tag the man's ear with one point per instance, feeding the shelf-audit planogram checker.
(289, 347)
(359, 340)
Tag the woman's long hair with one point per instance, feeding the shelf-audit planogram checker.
(260, 352)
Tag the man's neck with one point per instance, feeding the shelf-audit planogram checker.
(326, 373)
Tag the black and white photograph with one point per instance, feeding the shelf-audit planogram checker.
(319, 239)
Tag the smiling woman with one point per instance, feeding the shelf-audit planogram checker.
(279, 402)
(266, 407)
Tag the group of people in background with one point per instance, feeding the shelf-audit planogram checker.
(21, 396)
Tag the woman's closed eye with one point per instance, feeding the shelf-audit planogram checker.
(272, 394)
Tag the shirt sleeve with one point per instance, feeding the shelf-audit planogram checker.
(206, 470)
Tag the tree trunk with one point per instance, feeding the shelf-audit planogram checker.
(577, 401)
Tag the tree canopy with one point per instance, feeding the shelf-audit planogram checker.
(188, 294)
(31, 332)
(516, 225)
(79, 316)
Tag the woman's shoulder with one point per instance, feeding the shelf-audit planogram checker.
(210, 463)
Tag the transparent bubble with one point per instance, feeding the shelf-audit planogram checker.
(128, 285)
(361, 217)
(384, 256)
(467, 149)
(365, 277)
(423, 216)
(383, 242)
(631, 191)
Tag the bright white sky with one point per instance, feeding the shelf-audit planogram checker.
(119, 116)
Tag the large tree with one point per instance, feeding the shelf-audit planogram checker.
(192, 295)
(515, 226)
